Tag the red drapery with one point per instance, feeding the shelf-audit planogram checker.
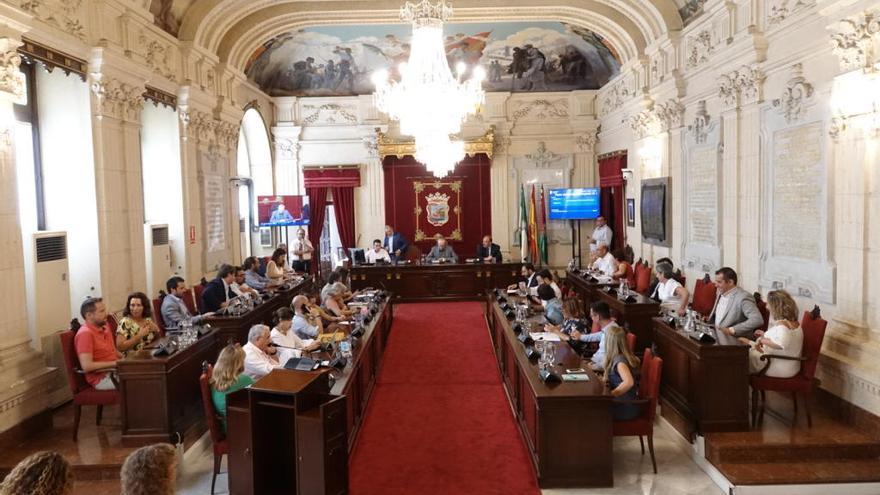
(612, 192)
(342, 183)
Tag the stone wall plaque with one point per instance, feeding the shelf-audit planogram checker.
(702, 194)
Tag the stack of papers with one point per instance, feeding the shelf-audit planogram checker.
(545, 336)
(575, 377)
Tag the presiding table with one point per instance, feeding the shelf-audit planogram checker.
(566, 426)
(435, 282)
(705, 386)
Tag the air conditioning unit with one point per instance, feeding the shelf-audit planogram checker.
(158, 257)
(51, 304)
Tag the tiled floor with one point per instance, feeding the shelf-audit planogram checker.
(678, 474)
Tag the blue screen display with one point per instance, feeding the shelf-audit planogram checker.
(574, 204)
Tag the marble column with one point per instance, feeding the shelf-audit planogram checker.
(288, 173)
(116, 101)
(370, 196)
(586, 174)
(25, 382)
(502, 202)
(192, 219)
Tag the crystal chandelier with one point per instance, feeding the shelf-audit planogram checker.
(428, 101)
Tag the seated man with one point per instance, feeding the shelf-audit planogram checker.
(735, 313)
(238, 287)
(95, 345)
(442, 252)
(218, 292)
(489, 251)
(605, 262)
(281, 215)
(600, 313)
(304, 326)
(552, 305)
(394, 243)
(174, 310)
(259, 357)
(378, 253)
(252, 275)
(529, 277)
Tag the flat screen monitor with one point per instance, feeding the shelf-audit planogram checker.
(574, 204)
(655, 211)
(282, 211)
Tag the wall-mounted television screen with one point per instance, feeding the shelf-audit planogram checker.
(282, 211)
(574, 204)
(655, 211)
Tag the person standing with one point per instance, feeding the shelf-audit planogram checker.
(394, 243)
(602, 234)
(301, 252)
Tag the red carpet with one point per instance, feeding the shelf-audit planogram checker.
(438, 421)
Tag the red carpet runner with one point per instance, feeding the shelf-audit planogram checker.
(438, 421)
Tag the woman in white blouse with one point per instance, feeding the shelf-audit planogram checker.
(784, 337)
(545, 277)
(669, 291)
(282, 335)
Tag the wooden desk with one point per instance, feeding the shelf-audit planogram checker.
(566, 426)
(704, 387)
(635, 316)
(584, 285)
(236, 328)
(160, 395)
(449, 281)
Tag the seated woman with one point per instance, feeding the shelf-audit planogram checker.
(671, 294)
(227, 377)
(620, 374)
(784, 338)
(334, 304)
(624, 269)
(290, 345)
(150, 470)
(42, 473)
(275, 266)
(136, 328)
(574, 320)
(317, 311)
(545, 277)
(551, 304)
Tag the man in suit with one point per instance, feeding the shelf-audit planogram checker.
(218, 292)
(174, 310)
(394, 243)
(529, 277)
(442, 252)
(489, 251)
(735, 313)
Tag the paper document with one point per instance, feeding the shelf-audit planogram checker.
(575, 377)
(545, 336)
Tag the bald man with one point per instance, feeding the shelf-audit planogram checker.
(302, 327)
(488, 251)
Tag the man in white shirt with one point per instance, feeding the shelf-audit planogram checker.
(301, 325)
(601, 235)
(259, 358)
(301, 252)
(238, 286)
(377, 253)
(605, 262)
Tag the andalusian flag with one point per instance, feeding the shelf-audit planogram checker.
(533, 229)
(523, 224)
(542, 235)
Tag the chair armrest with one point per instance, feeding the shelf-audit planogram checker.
(769, 357)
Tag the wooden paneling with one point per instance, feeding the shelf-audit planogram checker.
(416, 282)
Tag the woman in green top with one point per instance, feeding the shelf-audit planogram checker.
(227, 377)
(136, 329)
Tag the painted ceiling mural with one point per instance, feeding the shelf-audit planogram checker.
(517, 56)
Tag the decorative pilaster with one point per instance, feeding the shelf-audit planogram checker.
(288, 175)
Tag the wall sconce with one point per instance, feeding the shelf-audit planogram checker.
(855, 102)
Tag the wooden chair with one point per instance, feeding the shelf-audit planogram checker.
(813, 327)
(218, 436)
(83, 393)
(412, 254)
(643, 278)
(762, 307)
(198, 290)
(189, 300)
(680, 277)
(704, 296)
(631, 342)
(157, 314)
(649, 390)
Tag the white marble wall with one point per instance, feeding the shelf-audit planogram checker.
(739, 59)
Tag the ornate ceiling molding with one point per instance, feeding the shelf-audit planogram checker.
(853, 41)
(741, 87)
(400, 148)
(661, 117)
(780, 10)
(116, 99)
(11, 79)
(700, 46)
(699, 129)
(796, 96)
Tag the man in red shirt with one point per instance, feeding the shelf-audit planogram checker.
(95, 345)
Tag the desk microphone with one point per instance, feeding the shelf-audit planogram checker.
(273, 344)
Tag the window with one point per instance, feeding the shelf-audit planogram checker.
(29, 168)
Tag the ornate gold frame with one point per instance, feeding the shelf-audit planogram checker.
(419, 186)
(401, 148)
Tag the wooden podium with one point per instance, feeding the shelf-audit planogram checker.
(287, 435)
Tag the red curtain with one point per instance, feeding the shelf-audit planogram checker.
(613, 200)
(343, 207)
(317, 207)
(342, 183)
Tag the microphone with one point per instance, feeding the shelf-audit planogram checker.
(273, 344)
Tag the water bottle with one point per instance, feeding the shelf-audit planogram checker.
(621, 290)
(345, 348)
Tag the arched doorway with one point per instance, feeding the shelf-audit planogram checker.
(254, 164)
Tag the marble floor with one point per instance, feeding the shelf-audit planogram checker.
(678, 474)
